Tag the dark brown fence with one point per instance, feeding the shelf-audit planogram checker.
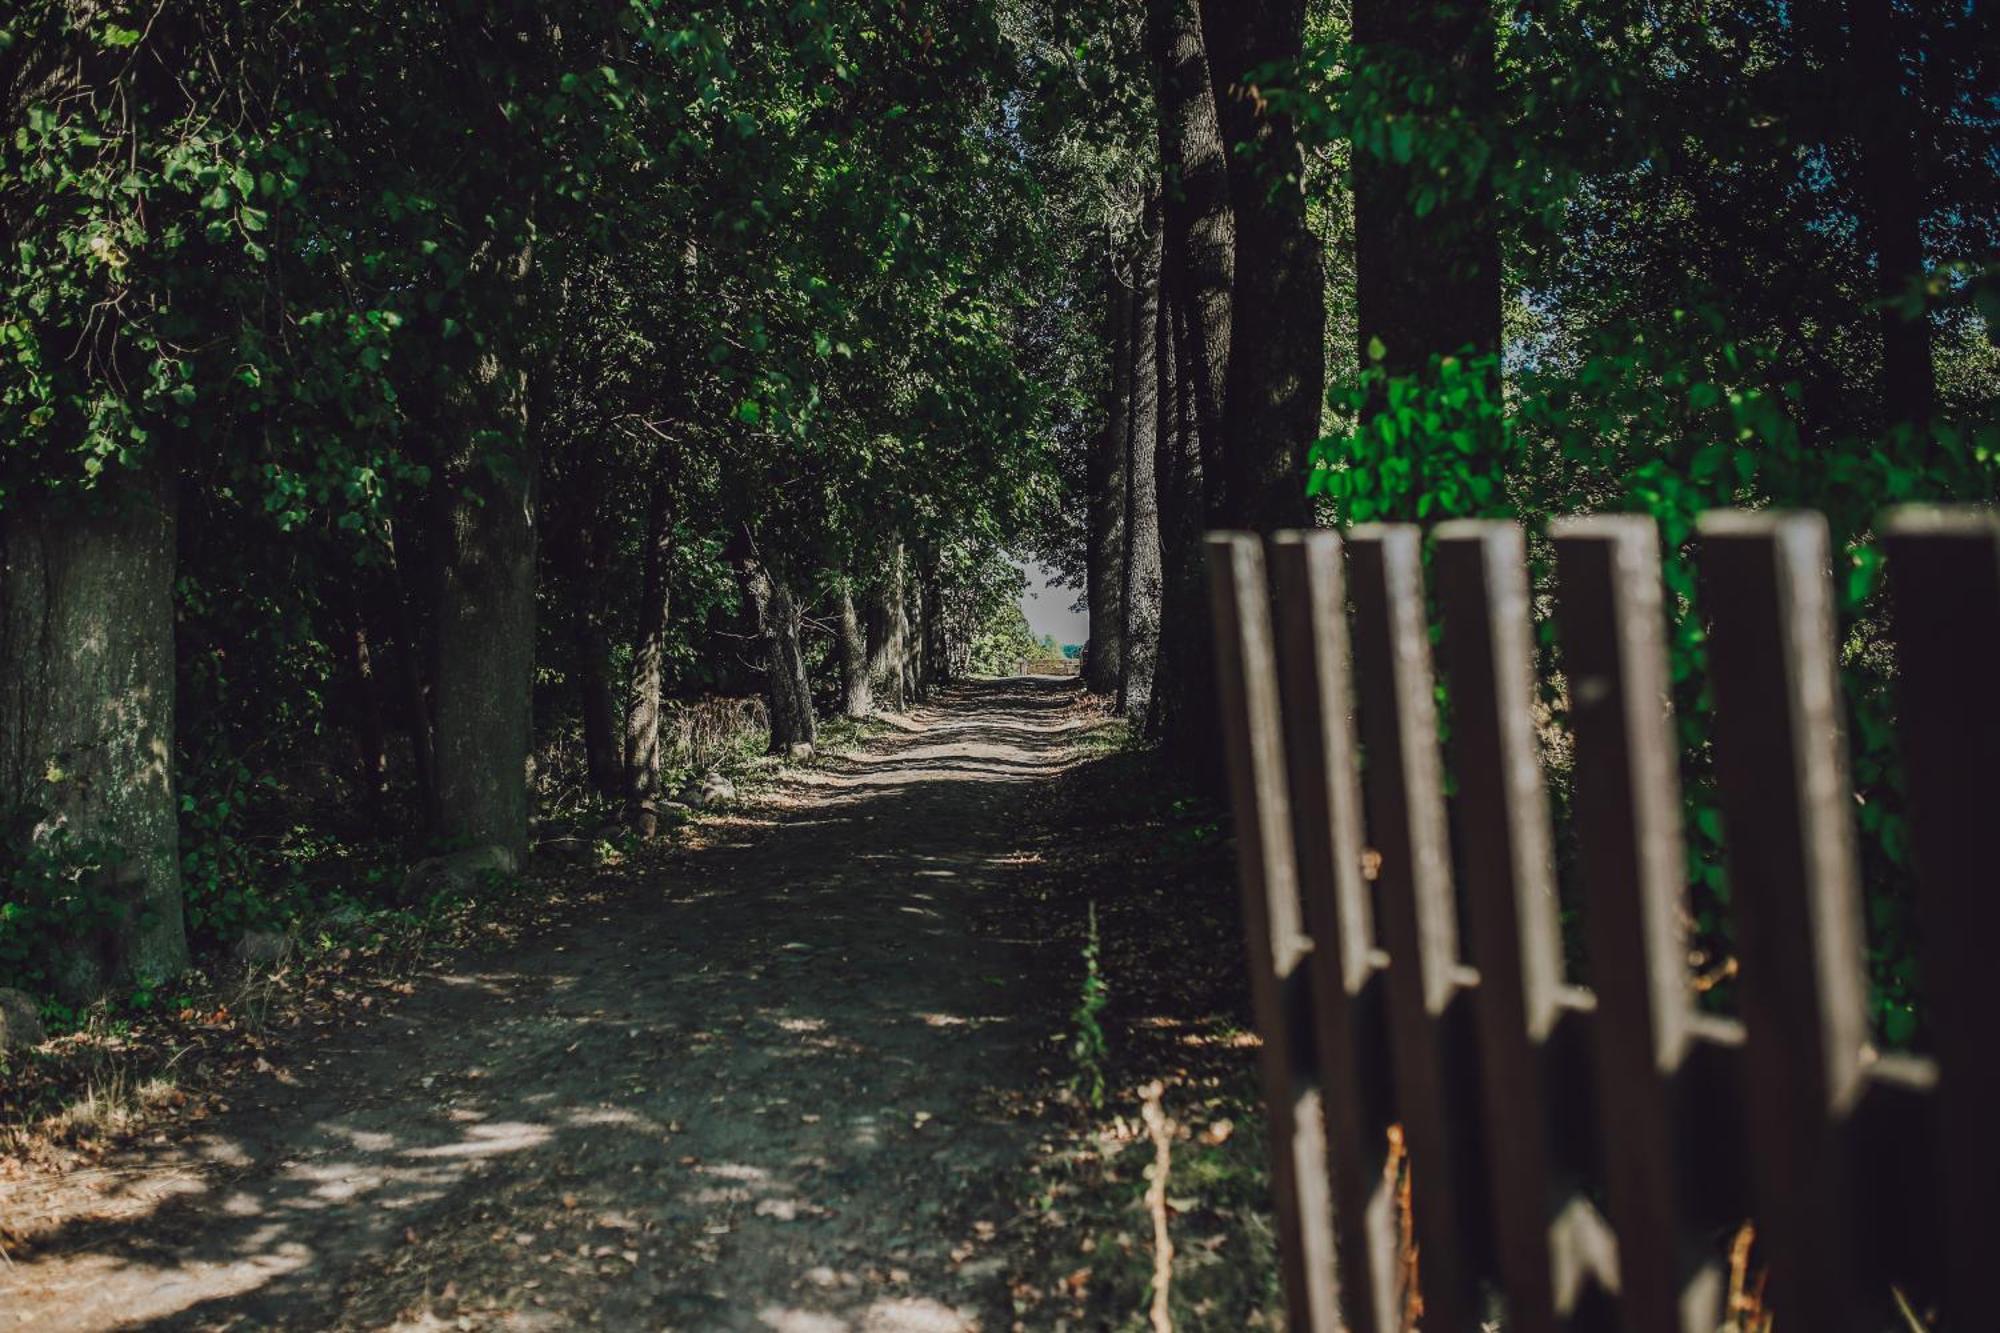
(1581, 1158)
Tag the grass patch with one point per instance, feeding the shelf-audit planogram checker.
(1152, 868)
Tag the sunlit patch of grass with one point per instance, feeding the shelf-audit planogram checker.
(102, 1078)
(839, 735)
(1110, 737)
(113, 1106)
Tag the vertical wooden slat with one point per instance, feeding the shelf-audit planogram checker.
(1246, 674)
(1406, 817)
(1509, 883)
(1628, 821)
(1316, 680)
(1787, 827)
(1944, 575)
(1316, 674)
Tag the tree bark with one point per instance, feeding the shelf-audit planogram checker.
(937, 660)
(1182, 715)
(1276, 380)
(602, 754)
(1105, 482)
(87, 713)
(486, 655)
(421, 723)
(1200, 227)
(1426, 285)
(649, 657)
(486, 614)
(920, 604)
(371, 737)
(911, 610)
(1892, 208)
(856, 693)
(1152, 371)
(788, 693)
(889, 632)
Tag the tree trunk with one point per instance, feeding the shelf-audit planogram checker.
(1276, 380)
(1426, 285)
(421, 724)
(1200, 228)
(920, 634)
(937, 661)
(371, 737)
(486, 657)
(87, 713)
(856, 695)
(1892, 208)
(787, 691)
(599, 704)
(486, 614)
(889, 632)
(1152, 372)
(911, 611)
(1105, 482)
(649, 657)
(1182, 714)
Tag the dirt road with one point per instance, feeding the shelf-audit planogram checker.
(759, 1088)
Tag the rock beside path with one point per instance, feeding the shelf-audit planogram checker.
(706, 792)
(20, 1020)
(263, 948)
(456, 872)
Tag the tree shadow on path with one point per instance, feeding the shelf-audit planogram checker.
(762, 1084)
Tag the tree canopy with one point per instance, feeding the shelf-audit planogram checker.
(406, 411)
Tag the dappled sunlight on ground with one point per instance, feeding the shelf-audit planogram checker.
(757, 1089)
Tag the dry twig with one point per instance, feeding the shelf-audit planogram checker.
(1162, 1131)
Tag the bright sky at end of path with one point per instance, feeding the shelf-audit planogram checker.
(1048, 606)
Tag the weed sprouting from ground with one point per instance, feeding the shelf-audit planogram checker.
(1087, 1045)
(1138, 874)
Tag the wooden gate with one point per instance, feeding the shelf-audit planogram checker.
(1579, 1158)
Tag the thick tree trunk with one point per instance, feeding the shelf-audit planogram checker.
(1892, 208)
(1105, 482)
(889, 632)
(87, 713)
(856, 694)
(1426, 285)
(1277, 379)
(937, 658)
(788, 693)
(486, 656)
(486, 613)
(1182, 715)
(649, 657)
(1200, 227)
(1152, 370)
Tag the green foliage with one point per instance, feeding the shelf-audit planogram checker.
(1003, 641)
(51, 890)
(1691, 322)
(1088, 1046)
(768, 262)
